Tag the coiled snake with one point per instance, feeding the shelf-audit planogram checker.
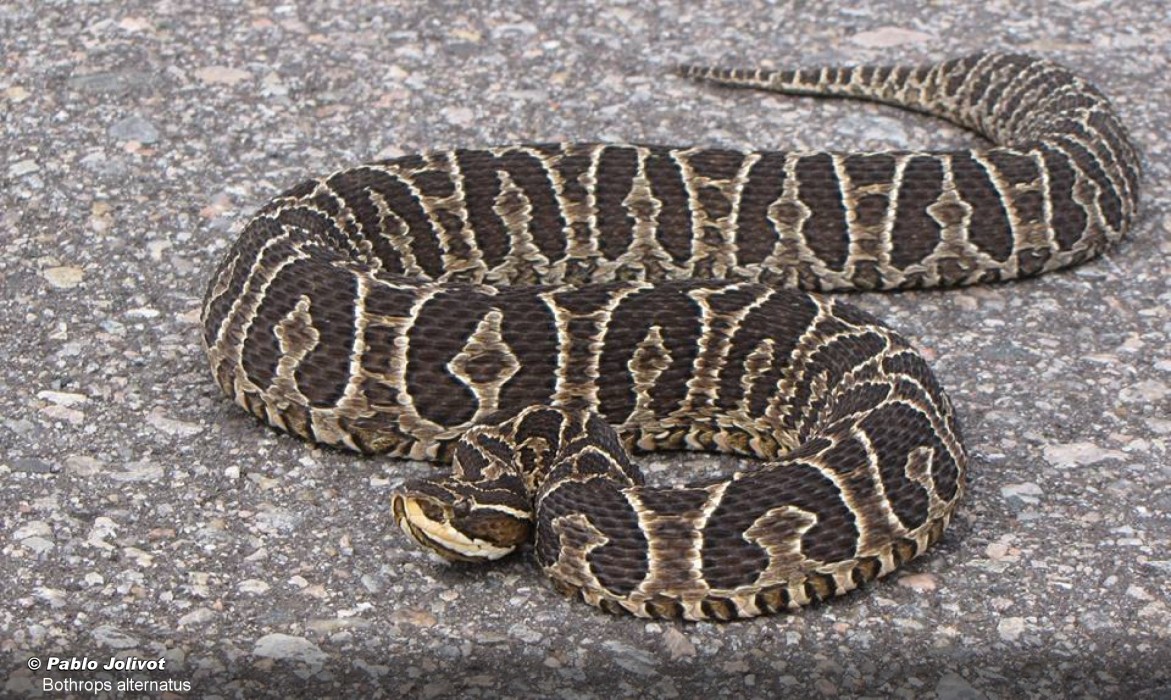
(531, 312)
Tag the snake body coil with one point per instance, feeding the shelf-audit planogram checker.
(530, 312)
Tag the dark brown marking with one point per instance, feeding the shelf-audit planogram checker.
(481, 186)
(895, 431)
(912, 365)
(319, 377)
(729, 560)
(1104, 126)
(1028, 90)
(826, 232)
(246, 251)
(260, 351)
(441, 330)
(715, 163)
(530, 330)
(573, 169)
(666, 306)
(1108, 200)
(831, 361)
(621, 563)
(673, 220)
(989, 229)
(434, 183)
(1015, 168)
(1068, 219)
(915, 233)
(616, 169)
(297, 420)
(781, 318)
(403, 202)
(673, 501)
(866, 169)
(547, 225)
(755, 234)
(983, 81)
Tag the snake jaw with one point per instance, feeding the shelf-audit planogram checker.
(459, 532)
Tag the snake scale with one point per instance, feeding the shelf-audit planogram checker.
(531, 313)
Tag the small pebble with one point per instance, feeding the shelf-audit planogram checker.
(134, 128)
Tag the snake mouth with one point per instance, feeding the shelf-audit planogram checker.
(430, 524)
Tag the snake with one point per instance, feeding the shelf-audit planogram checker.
(533, 315)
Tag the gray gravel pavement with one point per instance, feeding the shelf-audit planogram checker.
(147, 518)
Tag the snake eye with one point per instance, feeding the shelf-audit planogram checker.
(431, 510)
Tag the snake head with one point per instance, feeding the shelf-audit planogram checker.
(465, 521)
